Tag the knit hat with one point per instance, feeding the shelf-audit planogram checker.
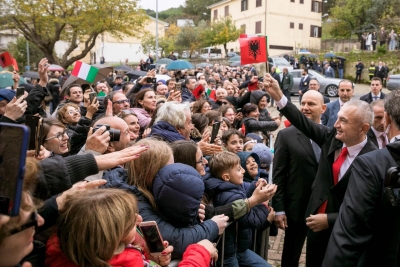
(264, 153)
(255, 137)
(7, 94)
(162, 81)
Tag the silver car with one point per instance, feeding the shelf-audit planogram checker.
(393, 82)
(328, 86)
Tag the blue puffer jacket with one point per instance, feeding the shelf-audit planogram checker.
(166, 132)
(181, 185)
(238, 234)
(179, 238)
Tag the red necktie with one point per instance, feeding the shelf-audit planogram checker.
(335, 170)
(383, 138)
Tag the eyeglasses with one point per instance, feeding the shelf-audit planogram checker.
(33, 221)
(122, 101)
(200, 160)
(59, 136)
(224, 103)
(70, 112)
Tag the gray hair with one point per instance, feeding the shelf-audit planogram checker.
(392, 106)
(378, 103)
(363, 111)
(173, 113)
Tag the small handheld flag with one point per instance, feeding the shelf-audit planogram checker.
(85, 71)
(253, 49)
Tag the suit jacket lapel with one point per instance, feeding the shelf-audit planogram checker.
(306, 143)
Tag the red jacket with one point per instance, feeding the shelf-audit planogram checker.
(195, 256)
(56, 258)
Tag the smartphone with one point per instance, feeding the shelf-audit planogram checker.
(152, 236)
(153, 80)
(35, 125)
(91, 97)
(14, 139)
(214, 132)
(148, 80)
(239, 110)
(178, 87)
(20, 91)
(230, 79)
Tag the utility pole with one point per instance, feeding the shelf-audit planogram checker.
(156, 30)
(27, 57)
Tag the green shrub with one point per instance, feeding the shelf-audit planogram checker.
(381, 49)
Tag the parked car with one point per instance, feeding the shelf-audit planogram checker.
(280, 63)
(232, 54)
(393, 82)
(328, 86)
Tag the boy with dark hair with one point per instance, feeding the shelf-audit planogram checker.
(232, 140)
(228, 186)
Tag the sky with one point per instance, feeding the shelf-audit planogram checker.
(162, 4)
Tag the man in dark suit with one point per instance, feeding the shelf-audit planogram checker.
(377, 133)
(339, 147)
(304, 83)
(314, 85)
(287, 83)
(295, 166)
(375, 94)
(367, 231)
(345, 91)
(380, 71)
(359, 69)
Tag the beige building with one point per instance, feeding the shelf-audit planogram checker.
(289, 24)
(115, 50)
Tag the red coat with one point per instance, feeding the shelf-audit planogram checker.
(56, 258)
(195, 256)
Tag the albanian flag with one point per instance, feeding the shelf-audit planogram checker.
(253, 49)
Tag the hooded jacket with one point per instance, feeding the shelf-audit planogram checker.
(238, 235)
(179, 238)
(255, 98)
(243, 157)
(252, 125)
(182, 185)
(144, 118)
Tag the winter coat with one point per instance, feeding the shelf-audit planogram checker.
(238, 235)
(54, 87)
(78, 134)
(183, 186)
(179, 238)
(253, 126)
(57, 258)
(243, 157)
(196, 256)
(166, 132)
(255, 99)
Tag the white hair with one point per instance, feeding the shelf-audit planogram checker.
(173, 113)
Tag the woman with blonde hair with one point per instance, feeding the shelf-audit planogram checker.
(108, 218)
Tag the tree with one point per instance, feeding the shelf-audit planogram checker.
(18, 50)
(190, 37)
(166, 43)
(221, 32)
(197, 8)
(78, 22)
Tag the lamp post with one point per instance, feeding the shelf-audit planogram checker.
(156, 30)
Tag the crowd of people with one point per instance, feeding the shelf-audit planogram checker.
(192, 153)
(370, 40)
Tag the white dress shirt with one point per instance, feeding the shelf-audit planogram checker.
(397, 137)
(374, 96)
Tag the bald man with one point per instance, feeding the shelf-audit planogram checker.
(296, 163)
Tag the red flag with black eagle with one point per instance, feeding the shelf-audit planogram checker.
(253, 49)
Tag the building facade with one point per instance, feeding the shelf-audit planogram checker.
(289, 24)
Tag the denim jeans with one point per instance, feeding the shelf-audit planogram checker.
(246, 258)
(392, 45)
(340, 73)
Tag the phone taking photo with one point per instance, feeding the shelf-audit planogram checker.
(215, 129)
(152, 236)
(14, 140)
(91, 97)
(35, 125)
(20, 92)
(178, 87)
(148, 80)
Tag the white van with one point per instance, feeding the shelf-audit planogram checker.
(210, 52)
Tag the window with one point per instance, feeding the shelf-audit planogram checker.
(226, 11)
(292, 1)
(315, 31)
(243, 28)
(316, 6)
(215, 14)
(301, 1)
(258, 27)
(281, 47)
(258, 3)
(291, 25)
(300, 26)
(244, 5)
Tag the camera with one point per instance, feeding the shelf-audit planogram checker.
(114, 133)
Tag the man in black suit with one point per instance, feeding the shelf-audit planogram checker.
(380, 71)
(339, 147)
(304, 83)
(359, 69)
(375, 94)
(377, 133)
(314, 85)
(367, 231)
(295, 166)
